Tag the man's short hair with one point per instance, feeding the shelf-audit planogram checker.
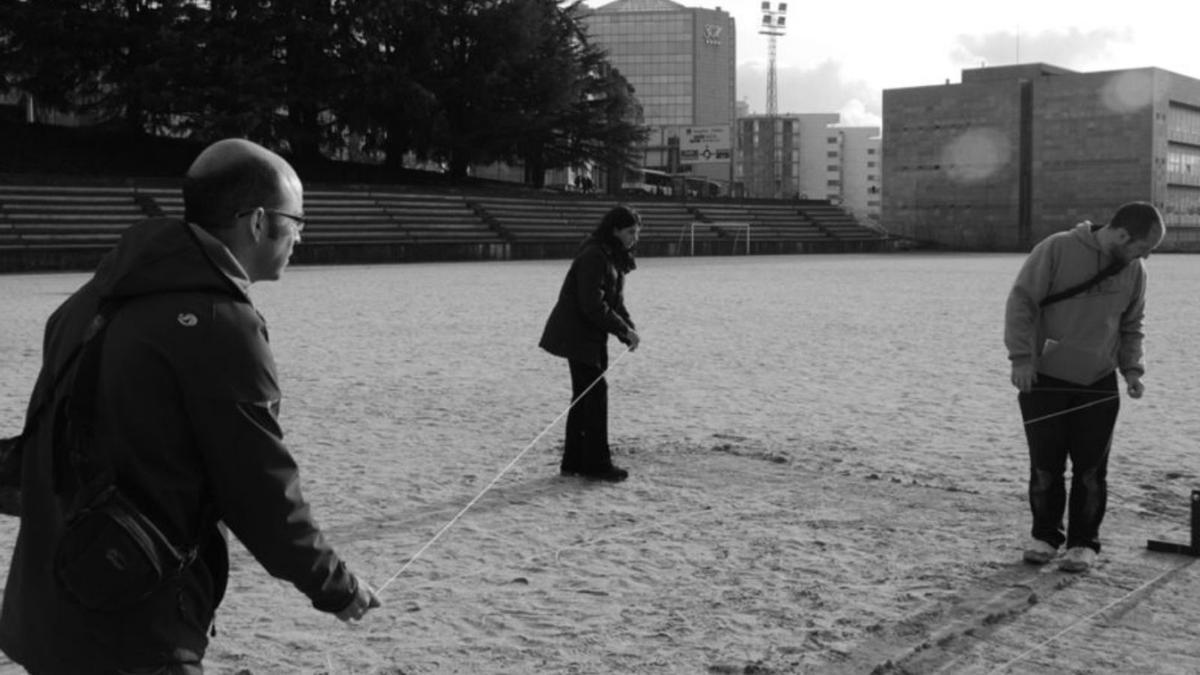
(1140, 219)
(212, 197)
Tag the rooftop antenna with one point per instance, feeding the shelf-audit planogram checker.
(774, 24)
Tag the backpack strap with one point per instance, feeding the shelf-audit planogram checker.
(31, 421)
(84, 468)
(1113, 268)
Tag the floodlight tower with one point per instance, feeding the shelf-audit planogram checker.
(774, 24)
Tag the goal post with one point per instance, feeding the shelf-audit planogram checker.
(741, 229)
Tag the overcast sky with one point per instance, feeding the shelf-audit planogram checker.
(840, 56)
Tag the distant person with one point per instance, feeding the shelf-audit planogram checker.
(590, 306)
(184, 403)
(1073, 319)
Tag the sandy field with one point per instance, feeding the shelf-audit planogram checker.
(827, 476)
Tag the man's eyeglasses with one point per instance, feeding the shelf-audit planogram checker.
(300, 221)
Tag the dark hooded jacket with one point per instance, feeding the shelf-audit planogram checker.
(186, 408)
(591, 305)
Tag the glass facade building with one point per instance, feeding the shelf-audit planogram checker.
(681, 62)
(656, 57)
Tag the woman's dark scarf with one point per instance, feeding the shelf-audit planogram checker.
(621, 257)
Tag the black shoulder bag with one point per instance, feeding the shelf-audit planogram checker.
(111, 555)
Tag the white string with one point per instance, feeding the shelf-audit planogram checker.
(1089, 617)
(1071, 410)
(495, 480)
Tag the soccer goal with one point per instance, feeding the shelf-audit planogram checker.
(741, 231)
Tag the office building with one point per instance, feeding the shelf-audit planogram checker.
(861, 178)
(681, 62)
(1015, 153)
(808, 156)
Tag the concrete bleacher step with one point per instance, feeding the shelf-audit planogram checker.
(65, 190)
(74, 217)
(89, 240)
(67, 217)
(768, 222)
(47, 218)
(66, 204)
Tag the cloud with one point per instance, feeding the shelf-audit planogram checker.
(1071, 48)
(855, 113)
(823, 89)
(829, 86)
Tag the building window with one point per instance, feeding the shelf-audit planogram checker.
(833, 183)
(1183, 123)
(831, 153)
(832, 139)
(832, 168)
(870, 151)
(870, 165)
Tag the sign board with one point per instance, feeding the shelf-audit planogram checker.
(712, 34)
(698, 145)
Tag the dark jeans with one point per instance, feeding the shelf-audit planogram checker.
(185, 662)
(171, 669)
(586, 447)
(1084, 436)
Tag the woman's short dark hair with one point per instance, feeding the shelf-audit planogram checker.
(619, 217)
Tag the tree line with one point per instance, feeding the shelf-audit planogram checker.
(460, 82)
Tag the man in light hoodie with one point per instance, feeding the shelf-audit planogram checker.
(1073, 320)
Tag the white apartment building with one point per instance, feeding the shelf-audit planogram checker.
(808, 156)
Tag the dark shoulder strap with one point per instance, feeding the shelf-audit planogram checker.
(63, 371)
(76, 462)
(84, 459)
(1113, 268)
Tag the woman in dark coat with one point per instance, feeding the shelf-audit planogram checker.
(590, 306)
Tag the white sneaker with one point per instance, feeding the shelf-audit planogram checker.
(1077, 559)
(1038, 552)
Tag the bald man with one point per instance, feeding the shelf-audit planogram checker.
(179, 406)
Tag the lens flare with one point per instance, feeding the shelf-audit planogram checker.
(1128, 91)
(976, 155)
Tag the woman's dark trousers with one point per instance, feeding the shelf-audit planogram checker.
(586, 447)
(1084, 436)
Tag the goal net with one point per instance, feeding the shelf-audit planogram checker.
(740, 232)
